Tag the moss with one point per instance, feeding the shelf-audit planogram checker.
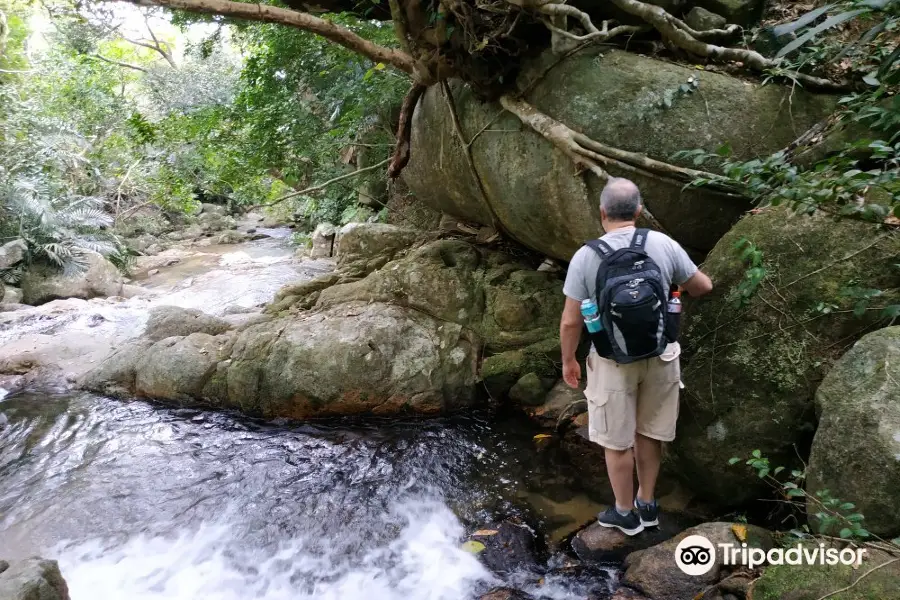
(751, 371)
(804, 582)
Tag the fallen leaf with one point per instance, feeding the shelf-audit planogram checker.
(486, 532)
(740, 532)
(473, 546)
(541, 436)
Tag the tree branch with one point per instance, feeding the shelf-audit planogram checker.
(117, 63)
(404, 129)
(273, 14)
(320, 186)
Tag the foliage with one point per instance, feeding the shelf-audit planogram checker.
(755, 273)
(832, 516)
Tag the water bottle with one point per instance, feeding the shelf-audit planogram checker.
(675, 302)
(591, 315)
(673, 317)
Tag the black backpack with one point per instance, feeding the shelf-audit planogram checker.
(632, 302)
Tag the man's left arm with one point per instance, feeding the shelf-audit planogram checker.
(569, 336)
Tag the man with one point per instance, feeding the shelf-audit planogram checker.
(632, 408)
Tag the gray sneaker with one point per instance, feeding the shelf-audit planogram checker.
(649, 513)
(629, 524)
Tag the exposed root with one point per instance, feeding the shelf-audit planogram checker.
(586, 158)
(467, 151)
(404, 129)
(682, 36)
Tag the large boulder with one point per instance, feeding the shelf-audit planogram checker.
(754, 357)
(365, 242)
(97, 278)
(407, 337)
(616, 98)
(856, 451)
(32, 579)
(355, 358)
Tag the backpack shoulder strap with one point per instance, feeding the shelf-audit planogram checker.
(600, 247)
(640, 238)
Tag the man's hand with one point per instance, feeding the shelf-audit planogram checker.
(572, 373)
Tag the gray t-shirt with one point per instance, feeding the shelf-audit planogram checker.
(673, 261)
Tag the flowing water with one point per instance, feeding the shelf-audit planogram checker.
(146, 502)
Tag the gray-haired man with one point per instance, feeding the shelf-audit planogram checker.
(632, 408)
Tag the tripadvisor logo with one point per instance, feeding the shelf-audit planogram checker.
(696, 555)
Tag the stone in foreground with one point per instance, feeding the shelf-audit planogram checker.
(856, 451)
(32, 579)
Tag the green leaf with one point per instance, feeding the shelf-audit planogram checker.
(757, 454)
(473, 546)
(734, 460)
(827, 24)
(778, 470)
(871, 79)
(845, 533)
(891, 312)
(848, 506)
(795, 492)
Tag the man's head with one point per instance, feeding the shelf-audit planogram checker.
(620, 202)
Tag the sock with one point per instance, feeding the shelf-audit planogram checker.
(643, 504)
(622, 512)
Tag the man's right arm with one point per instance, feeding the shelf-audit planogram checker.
(698, 285)
(686, 275)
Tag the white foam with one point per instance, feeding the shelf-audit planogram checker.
(423, 562)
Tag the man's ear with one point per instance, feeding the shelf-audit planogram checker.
(638, 213)
(603, 214)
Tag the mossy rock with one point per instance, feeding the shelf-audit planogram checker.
(501, 371)
(751, 370)
(811, 582)
(856, 452)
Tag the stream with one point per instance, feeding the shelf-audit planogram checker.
(141, 501)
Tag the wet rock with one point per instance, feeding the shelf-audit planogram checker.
(751, 371)
(372, 244)
(153, 272)
(95, 320)
(32, 579)
(142, 242)
(741, 12)
(508, 546)
(701, 19)
(12, 295)
(178, 368)
(561, 403)
(856, 447)
(529, 390)
(596, 543)
(100, 278)
(169, 321)
(505, 594)
(524, 175)
(308, 365)
(210, 222)
(323, 241)
(624, 593)
(12, 252)
(653, 571)
(216, 209)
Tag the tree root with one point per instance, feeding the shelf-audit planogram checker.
(467, 151)
(683, 36)
(404, 129)
(572, 144)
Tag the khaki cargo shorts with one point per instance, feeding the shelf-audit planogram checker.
(640, 397)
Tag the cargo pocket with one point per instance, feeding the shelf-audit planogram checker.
(669, 364)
